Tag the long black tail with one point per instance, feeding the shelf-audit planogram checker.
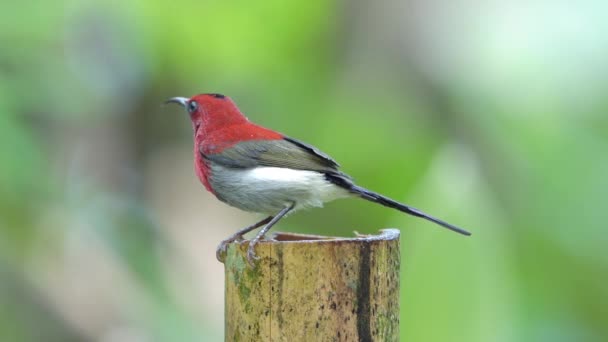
(385, 201)
(344, 181)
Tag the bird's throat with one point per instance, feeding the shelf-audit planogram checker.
(201, 168)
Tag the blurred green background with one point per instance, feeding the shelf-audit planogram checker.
(491, 115)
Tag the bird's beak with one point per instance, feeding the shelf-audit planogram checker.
(179, 100)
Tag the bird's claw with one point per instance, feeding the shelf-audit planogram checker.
(220, 252)
(251, 257)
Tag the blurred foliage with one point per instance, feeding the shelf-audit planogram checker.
(492, 116)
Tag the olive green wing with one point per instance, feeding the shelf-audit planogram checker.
(287, 153)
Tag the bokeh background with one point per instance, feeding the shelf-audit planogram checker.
(489, 114)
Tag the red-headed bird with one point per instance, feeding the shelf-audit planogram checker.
(259, 170)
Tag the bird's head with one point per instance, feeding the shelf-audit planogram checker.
(210, 112)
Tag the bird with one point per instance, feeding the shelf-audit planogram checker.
(259, 170)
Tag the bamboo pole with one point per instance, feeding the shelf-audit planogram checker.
(314, 288)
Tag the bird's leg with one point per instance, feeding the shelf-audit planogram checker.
(251, 257)
(221, 249)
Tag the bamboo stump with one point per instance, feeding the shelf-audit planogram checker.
(314, 288)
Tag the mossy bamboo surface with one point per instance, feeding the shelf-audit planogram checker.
(314, 288)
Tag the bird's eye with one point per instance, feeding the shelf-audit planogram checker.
(192, 107)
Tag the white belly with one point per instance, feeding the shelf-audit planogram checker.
(270, 189)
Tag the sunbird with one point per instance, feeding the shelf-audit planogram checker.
(256, 169)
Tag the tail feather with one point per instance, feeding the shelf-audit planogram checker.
(385, 201)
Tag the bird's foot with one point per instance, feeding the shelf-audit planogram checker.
(251, 257)
(220, 252)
